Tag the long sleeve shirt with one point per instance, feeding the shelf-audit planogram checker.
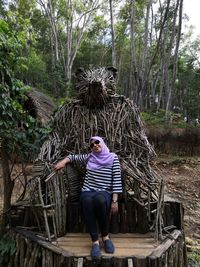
(103, 179)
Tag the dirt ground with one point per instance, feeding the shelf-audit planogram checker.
(182, 181)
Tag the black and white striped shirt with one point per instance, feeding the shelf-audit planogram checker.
(104, 179)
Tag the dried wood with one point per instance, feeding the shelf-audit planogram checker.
(44, 210)
(131, 250)
(30, 236)
(130, 262)
(115, 118)
(165, 245)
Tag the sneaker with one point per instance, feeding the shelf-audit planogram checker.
(108, 245)
(95, 251)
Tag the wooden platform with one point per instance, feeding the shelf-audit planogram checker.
(79, 244)
(73, 250)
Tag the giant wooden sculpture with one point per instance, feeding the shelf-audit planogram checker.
(52, 196)
(100, 111)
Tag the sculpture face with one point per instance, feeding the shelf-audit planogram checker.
(96, 85)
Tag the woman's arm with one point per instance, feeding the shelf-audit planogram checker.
(116, 174)
(114, 203)
(114, 197)
(78, 158)
(116, 184)
(61, 164)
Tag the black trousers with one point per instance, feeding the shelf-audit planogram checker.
(96, 209)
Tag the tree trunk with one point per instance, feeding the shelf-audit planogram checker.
(134, 83)
(144, 60)
(179, 7)
(54, 29)
(8, 185)
(113, 35)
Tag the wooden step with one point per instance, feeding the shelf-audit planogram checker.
(79, 244)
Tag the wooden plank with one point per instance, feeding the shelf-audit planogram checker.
(115, 240)
(140, 250)
(117, 245)
(126, 235)
(45, 244)
(122, 252)
(166, 244)
(119, 241)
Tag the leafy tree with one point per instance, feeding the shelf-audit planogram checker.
(14, 139)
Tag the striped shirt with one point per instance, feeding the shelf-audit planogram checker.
(103, 179)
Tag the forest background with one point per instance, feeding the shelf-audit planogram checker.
(44, 42)
(158, 65)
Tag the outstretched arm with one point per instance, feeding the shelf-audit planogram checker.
(61, 164)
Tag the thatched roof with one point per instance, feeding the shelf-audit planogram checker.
(39, 106)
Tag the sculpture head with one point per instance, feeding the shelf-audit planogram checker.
(95, 86)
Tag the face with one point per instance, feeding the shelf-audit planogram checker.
(95, 146)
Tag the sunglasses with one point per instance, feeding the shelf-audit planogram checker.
(96, 142)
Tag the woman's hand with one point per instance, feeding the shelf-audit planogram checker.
(114, 207)
(61, 164)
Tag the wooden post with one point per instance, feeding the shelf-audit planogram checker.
(167, 217)
(142, 219)
(170, 261)
(73, 217)
(131, 216)
(123, 218)
(89, 262)
(130, 263)
(114, 223)
(22, 251)
(140, 261)
(78, 262)
(153, 261)
(44, 210)
(16, 260)
(119, 262)
(106, 261)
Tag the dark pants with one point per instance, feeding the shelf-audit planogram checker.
(96, 208)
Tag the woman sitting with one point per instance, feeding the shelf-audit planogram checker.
(101, 186)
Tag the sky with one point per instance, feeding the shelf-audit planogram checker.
(192, 9)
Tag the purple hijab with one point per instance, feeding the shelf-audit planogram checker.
(98, 160)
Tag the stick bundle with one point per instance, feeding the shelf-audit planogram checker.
(119, 123)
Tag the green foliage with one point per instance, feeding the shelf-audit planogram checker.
(32, 69)
(7, 249)
(21, 132)
(30, 49)
(188, 89)
(154, 118)
(194, 258)
(158, 119)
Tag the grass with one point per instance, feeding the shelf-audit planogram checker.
(170, 120)
(194, 258)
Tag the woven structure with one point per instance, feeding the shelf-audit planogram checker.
(39, 106)
(97, 111)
